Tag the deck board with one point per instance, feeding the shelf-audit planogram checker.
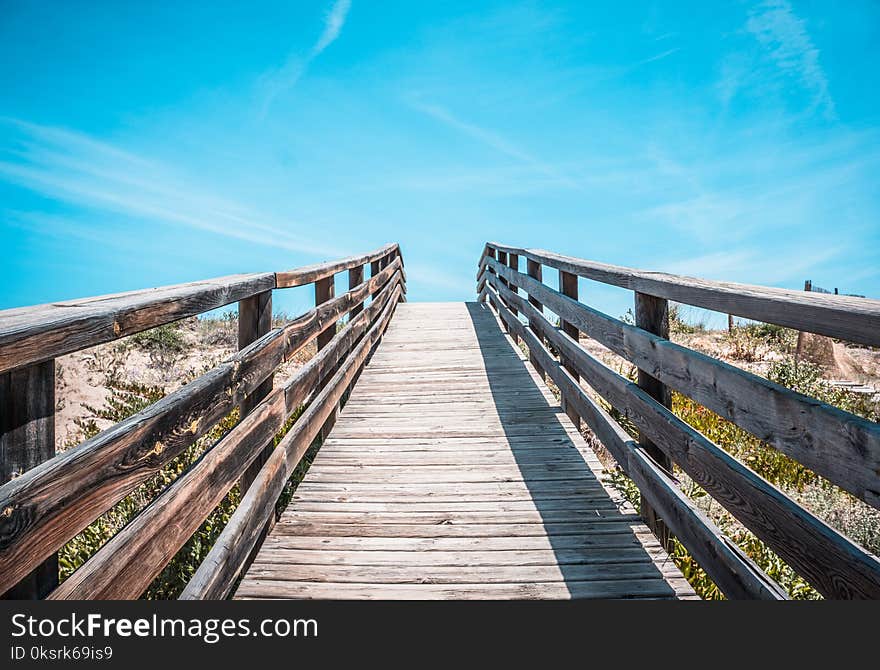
(452, 472)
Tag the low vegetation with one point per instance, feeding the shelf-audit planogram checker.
(126, 398)
(836, 507)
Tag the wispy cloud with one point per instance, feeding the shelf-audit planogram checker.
(332, 25)
(755, 265)
(494, 141)
(776, 26)
(274, 83)
(657, 57)
(75, 168)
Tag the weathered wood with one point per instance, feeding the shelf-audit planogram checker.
(834, 565)
(324, 291)
(842, 447)
(735, 574)
(652, 315)
(848, 318)
(385, 505)
(314, 273)
(217, 574)
(34, 334)
(355, 277)
(254, 321)
(535, 271)
(128, 563)
(568, 286)
(53, 502)
(27, 439)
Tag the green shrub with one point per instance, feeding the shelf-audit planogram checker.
(167, 337)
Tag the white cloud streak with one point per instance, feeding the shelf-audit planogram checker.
(77, 169)
(776, 26)
(493, 141)
(277, 81)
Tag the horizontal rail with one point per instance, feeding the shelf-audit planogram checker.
(833, 564)
(840, 446)
(127, 564)
(735, 573)
(312, 273)
(848, 318)
(35, 334)
(217, 574)
(50, 504)
(39, 333)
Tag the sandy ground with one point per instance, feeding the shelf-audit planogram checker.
(81, 380)
(82, 377)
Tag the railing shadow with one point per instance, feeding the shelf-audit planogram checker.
(593, 541)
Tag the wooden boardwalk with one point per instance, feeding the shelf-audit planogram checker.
(452, 472)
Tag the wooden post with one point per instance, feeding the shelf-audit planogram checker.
(375, 268)
(799, 349)
(324, 291)
(730, 323)
(652, 314)
(568, 285)
(502, 258)
(513, 263)
(535, 271)
(27, 438)
(254, 321)
(355, 277)
(490, 252)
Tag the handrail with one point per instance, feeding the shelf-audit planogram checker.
(840, 446)
(846, 317)
(49, 504)
(844, 448)
(30, 335)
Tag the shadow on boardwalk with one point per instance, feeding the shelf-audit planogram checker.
(594, 543)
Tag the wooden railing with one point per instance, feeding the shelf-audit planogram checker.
(51, 498)
(839, 446)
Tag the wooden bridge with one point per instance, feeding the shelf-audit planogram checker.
(448, 467)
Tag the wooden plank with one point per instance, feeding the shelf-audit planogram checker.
(51, 503)
(254, 321)
(848, 318)
(413, 475)
(568, 286)
(652, 315)
(127, 564)
(217, 573)
(642, 588)
(324, 292)
(843, 448)
(27, 439)
(735, 574)
(832, 563)
(355, 277)
(314, 273)
(535, 272)
(35, 334)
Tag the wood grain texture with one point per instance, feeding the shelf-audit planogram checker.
(652, 315)
(128, 563)
(254, 321)
(35, 334)
(833, 564)
(217, 574)
(848, 318)
(452, 468)
(842, 447)
(312, 273)
(735, 573)
(49, 504)
(27, 438)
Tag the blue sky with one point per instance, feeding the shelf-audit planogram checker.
(151, 143)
